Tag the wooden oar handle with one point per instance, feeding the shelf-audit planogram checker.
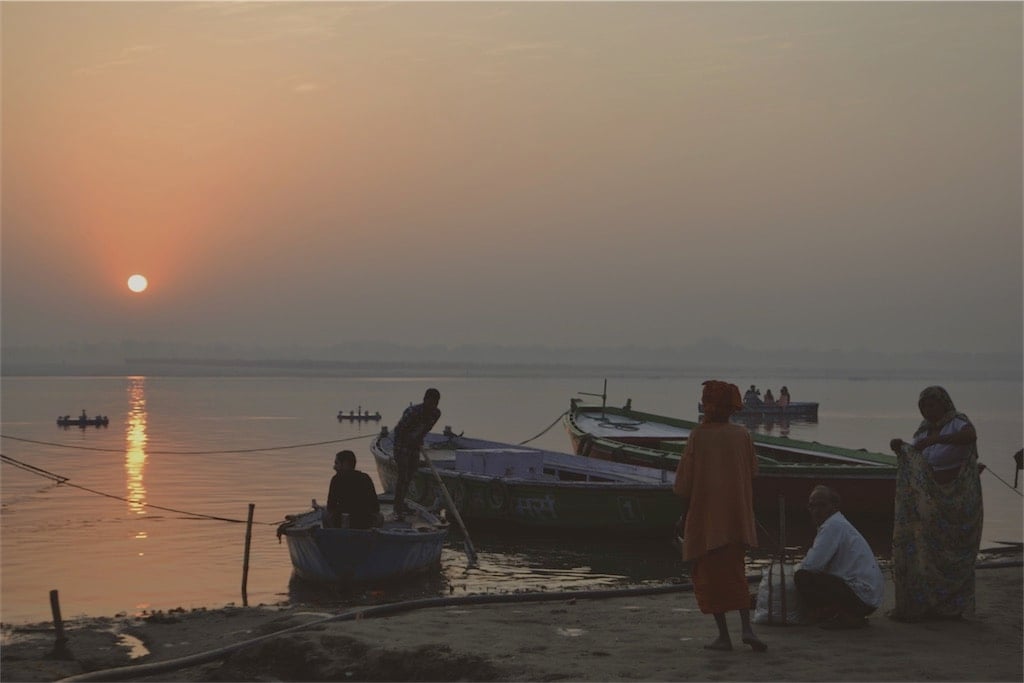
(468, 544)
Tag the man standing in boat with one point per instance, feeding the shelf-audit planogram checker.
(414, 425)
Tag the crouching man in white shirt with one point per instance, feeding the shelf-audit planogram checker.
(839, 580)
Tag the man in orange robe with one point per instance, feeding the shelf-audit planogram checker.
(714, 478)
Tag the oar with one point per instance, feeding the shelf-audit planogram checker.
(467, 543)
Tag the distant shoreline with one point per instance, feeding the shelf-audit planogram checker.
(271, 367)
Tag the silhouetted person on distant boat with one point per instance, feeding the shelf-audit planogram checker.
(352, 493)
(414, 425)
(783, 401)
(752, 398)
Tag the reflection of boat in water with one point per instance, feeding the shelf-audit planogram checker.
(358, 416)
(396, 549)
(797, 410)
(339, 596)
(768, 423)
(83, 421)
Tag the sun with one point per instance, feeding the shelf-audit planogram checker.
(138, 283)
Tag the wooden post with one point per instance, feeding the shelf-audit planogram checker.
(782, 554)
(60, 647)
(245, 562)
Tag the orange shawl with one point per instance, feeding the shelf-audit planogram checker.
(715, 474)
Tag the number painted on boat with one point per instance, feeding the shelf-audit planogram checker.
(629, 509)
(539, 508)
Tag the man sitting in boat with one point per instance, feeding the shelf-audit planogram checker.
(352, 499)
(839, 578)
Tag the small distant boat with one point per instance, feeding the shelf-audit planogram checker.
(394, 550)
(358, 415)
(83, 421)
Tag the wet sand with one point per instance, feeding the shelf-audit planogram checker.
(644, 638)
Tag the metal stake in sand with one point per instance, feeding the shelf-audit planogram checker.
(467, 544)
(60, 647)
(245, 562)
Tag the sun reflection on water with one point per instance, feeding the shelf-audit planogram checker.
(135, 451)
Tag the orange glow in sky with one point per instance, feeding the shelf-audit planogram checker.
(767, 173)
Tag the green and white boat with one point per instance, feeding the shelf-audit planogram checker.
(787, 468)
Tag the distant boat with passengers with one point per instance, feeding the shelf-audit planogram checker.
(82, 420)
(358, 415)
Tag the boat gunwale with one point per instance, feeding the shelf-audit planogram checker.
(446, 469)
(859, 458)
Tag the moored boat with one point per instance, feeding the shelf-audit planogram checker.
(787, 468)
(496, 484)
(393, 550)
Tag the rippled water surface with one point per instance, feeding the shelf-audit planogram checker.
(135, 527)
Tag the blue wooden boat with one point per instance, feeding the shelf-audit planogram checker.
(396, 549)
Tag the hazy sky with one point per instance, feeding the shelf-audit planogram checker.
(820, 175)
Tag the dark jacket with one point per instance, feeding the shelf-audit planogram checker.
(352, 492)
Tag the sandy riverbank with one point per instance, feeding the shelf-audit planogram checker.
(649, 638)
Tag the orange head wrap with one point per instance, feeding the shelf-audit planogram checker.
(720, 400)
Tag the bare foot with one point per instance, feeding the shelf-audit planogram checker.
(755, 643)
(719, 644)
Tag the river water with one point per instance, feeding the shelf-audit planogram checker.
(142, 537)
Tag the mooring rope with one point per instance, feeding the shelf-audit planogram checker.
(221, 452)
(546, 430)
(64, 481)
(621, 426)
(1005, 483)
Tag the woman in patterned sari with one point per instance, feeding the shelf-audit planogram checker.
(938, 516)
